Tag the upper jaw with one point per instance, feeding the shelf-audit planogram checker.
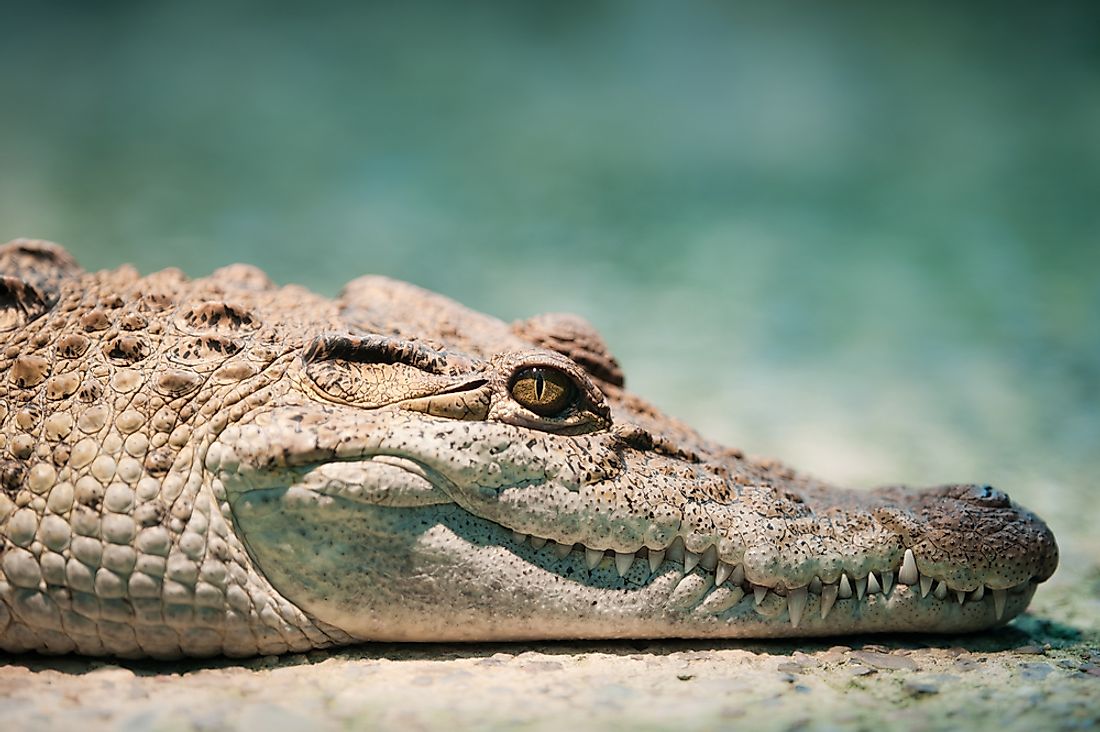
(631, 509)
(596, 496)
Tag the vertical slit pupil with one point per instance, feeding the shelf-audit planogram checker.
(540, 385)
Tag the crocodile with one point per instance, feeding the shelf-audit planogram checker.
(223, 466)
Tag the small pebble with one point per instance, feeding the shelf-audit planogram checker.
(1035, 671)
(885, 660)
(920, 687)
(965, 663)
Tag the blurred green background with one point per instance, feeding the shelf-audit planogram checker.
(864, 238)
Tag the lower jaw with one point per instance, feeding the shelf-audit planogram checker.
(439, 573)
(898, 615)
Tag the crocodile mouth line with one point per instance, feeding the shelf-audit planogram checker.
(718, 574)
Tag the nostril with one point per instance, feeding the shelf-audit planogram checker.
(987, 495)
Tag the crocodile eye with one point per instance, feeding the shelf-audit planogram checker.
(545, 391)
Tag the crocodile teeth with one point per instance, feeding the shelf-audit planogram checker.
(828, 597)
(691, 561)
(815, 585)
(999, 597)
(709, 560)
(908, 574)
(961, 595)
(562, 550)
(978, 594)
(538, 542)
(738, 576)
(844, 588)
(623, 562)
(675, 550)
(887, 582)
(872, 584)
(796, 603)
(941, 590)
(722, 573)
(925, 585)
(592, 557)
(759, 593)
(861, 587)
(518, 537)
(655, 559)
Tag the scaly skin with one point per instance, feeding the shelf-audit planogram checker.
(220, 466)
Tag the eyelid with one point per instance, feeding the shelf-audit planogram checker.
(589, 398)
(373, 348)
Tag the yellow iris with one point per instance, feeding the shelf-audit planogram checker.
(545, 391)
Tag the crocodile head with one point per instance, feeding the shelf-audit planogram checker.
(220, 465)
(424, 472)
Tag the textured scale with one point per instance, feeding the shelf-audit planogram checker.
(223, 466)
(113, 543)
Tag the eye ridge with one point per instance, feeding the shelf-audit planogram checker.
(544, 390)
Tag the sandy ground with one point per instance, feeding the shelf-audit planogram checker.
(1040, 672)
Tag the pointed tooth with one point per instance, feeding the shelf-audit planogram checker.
(738, 576)
(861, 587)
(941, 590)
(623, 562)
(887, 582)
(518, 537)
(675, 550)
(872, 584)
(562, 550)
(925, 585)
(709, 559)
(759, 593)
(655, 558)
(828, 597)
(961, 596)
(722, 573)
(978, 594)
(815, 585)
(592, 557)
(844, 588)
(691, 561)
(999, 597)
(908, 574)
(796, 603)
(538, 542)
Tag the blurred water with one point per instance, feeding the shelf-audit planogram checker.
(861, 238)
